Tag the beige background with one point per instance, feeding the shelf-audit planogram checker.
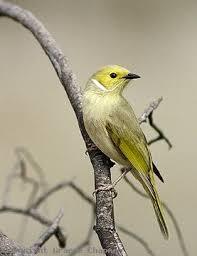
(155, 39)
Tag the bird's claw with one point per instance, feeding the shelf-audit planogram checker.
(106, 188)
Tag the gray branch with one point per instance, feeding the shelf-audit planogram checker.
(38, 217)
(60, 186)
(148, 116)
(105, 226)
(10, 248)
(84, 196)
(149, 110)
(52, 229)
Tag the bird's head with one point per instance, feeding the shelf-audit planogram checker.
(112, 78)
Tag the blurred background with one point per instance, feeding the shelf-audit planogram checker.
(155, 39)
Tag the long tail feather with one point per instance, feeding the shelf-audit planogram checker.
(158, 207)
(149, 185)
(159, 214)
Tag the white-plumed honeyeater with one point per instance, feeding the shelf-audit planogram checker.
(115, 130)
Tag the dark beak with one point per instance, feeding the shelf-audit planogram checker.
(131, 76)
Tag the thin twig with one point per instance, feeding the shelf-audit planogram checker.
(148, 116)
(31, 197)
(90, 201)
(161, 135)
(38, 217)
(22, 152)
(24, 156)
(138, 238)
(8, 183)
(11, 248)
(20, 171)
(152, 106)
(60, 186)
(83, 196)
(53, 229)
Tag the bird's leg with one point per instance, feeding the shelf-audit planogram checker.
(111, 187)
(120, 177)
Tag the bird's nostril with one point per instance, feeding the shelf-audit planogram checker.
(131, 76)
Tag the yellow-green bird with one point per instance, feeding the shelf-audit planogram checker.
(113, 127)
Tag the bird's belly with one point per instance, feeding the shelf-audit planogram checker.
(99, 135)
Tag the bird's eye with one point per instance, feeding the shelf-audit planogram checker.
(113, 75)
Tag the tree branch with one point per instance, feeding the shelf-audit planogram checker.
(11, 248)
(59, 186)
(91, 202)
(148, 116)
(147, 112)
(20, 171)
(161, 135)
(38, 217)
(53, 229)
(105, 226)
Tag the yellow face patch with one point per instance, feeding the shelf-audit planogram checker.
(111, 76)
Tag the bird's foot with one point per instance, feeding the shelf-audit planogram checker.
(106, 188)
(111, 187)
